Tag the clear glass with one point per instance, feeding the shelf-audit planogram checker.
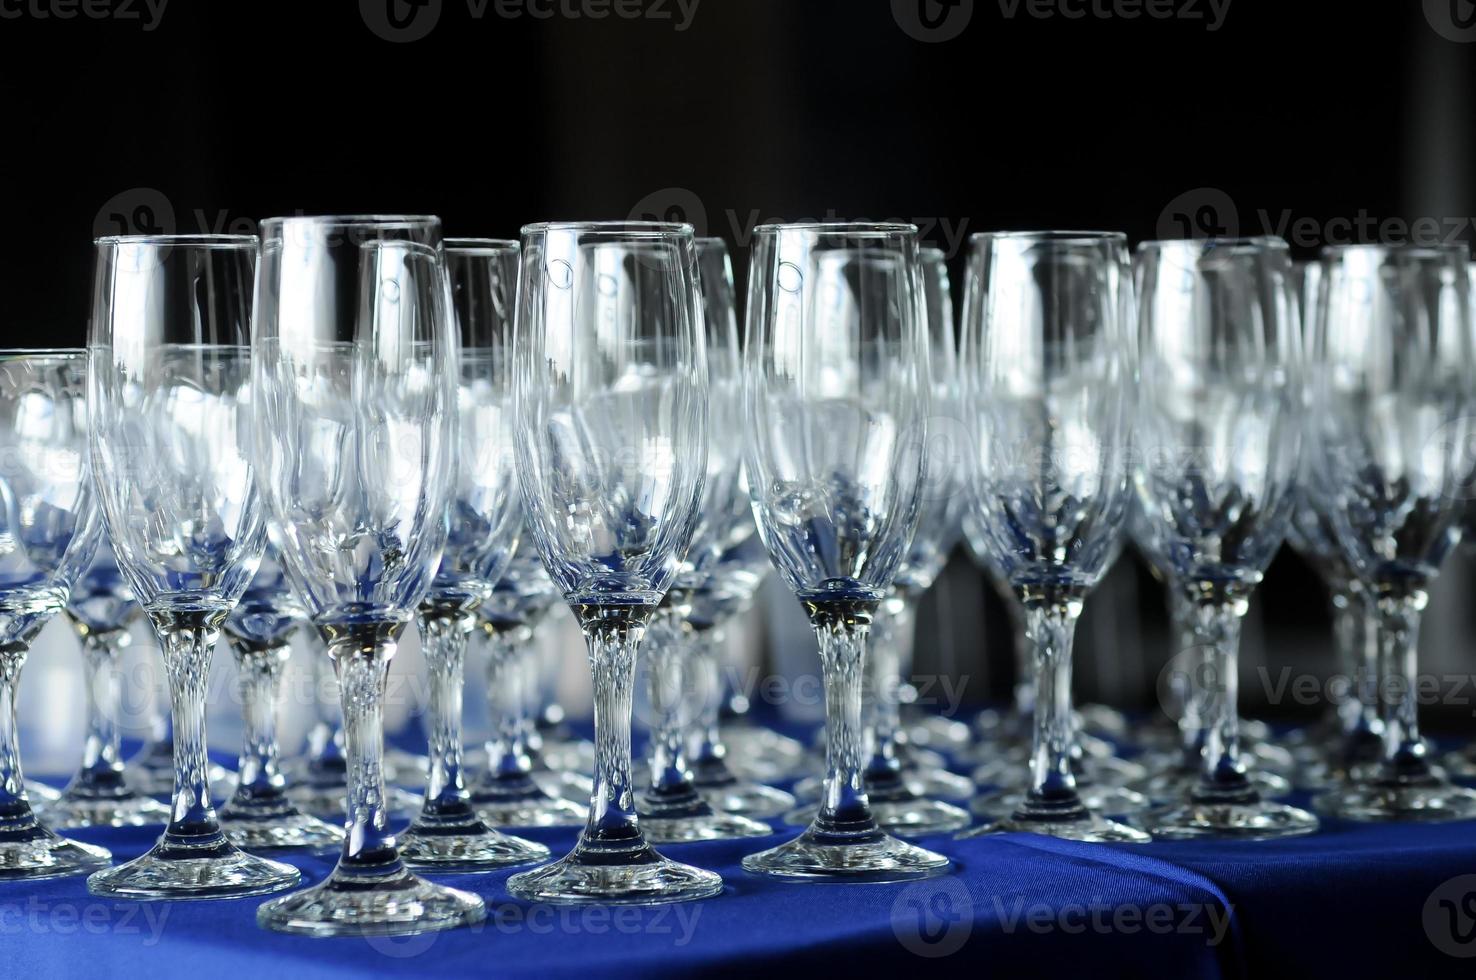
(506, 794)
(259, 814)
(356, 377)
(672, 809)
(1048, 363)
(50, 526)
(101, 609)
(1392, 376)
(483, 521)
(169, 411)
(1219, 420)
(611, 420)
(836, 392)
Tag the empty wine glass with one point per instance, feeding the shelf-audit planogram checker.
(49, 522)
(259, 814)
(836, 392)
(611, 415)
(101, 609)
(672, 809)
(1392, 374)
(1048, 364)
(506, 794)
(483, 519)
(1219, 419)
(355, 383)
(168, 404)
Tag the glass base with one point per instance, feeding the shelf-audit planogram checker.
(515, 801)
(35, 853)
(729, 794)
(159, 783)
(285, 830)
(1254, 819)
(395, 904)
(762, 755)
(210, 868)
(1115, 801)
(915, 817)
(125, 809)
(938, 732)
(868, 856)
(1459, 764)
(1086, 826)
(931, 783)
(682, 816)
(1171, 785)
(329, 802)
(575, 787)
(631, 875)
(1429, 798)
(1013, 771)
(576, 756)
(41, 793)
(464, 845)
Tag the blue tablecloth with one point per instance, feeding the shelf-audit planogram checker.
(1351, 901)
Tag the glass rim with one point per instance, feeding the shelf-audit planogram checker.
(859, 229)
(634, 229)
(476, 246)
(366, 220)
(181, 241)
(1061, 236)
(1204, 244)
(931, 252)
(1441, 249)
(54, 352)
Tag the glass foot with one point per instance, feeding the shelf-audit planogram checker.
(34, 853)
(463, 846)
(762, 755)
(1169, 786)
(935, 783)
(938, 732)
(518, 801)
(1429, 798)
(1254, 819)
(576, 756)
(748, 799)
(122, 809)
(395, 904)
(207, 867)
(575, 787)
(1459, 764)
(1083, 827)
(41, 793)
(631, 875)
(864, 856)
(289, 830)
(1113, 801)
(915, 817)
(328, 802)
(701, 826)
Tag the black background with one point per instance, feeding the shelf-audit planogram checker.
(1318, 113)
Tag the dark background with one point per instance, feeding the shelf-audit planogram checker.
(1269, 116)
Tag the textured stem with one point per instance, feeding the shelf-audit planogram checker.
(258, 782)
(15, 809)
(708, 749)
(102, 763)
(507, 701)
(444, 631)
(613, 633)
(842, 628)
(891, 643)
(667, 653)
(188, 640)
(1050, 622)
(1216, 622)
(1405, 754)
(361, 656)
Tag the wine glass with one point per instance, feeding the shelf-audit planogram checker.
(672, 809)
(611, 419)
(483, 522)
(101, 609)
(168, 405)
(836, 393)
(355, 381)
(1048, 364)
(49, 521)
(1392, 371)
(1219, 419)
(259, 814)
(506, 794)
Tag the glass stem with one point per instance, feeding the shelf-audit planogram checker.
(1024, 651)
(1187, 700)
(891, 644)
(709, 752)
(1050, 623)
(361, 654)
(1222, 777)
(261, 669)
(612, 633)
(507, 701)
(102, 762)
(444, 631)
(1405, 755)
(15, 809)
(187, 640)
(842, 628)
(668, 677)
